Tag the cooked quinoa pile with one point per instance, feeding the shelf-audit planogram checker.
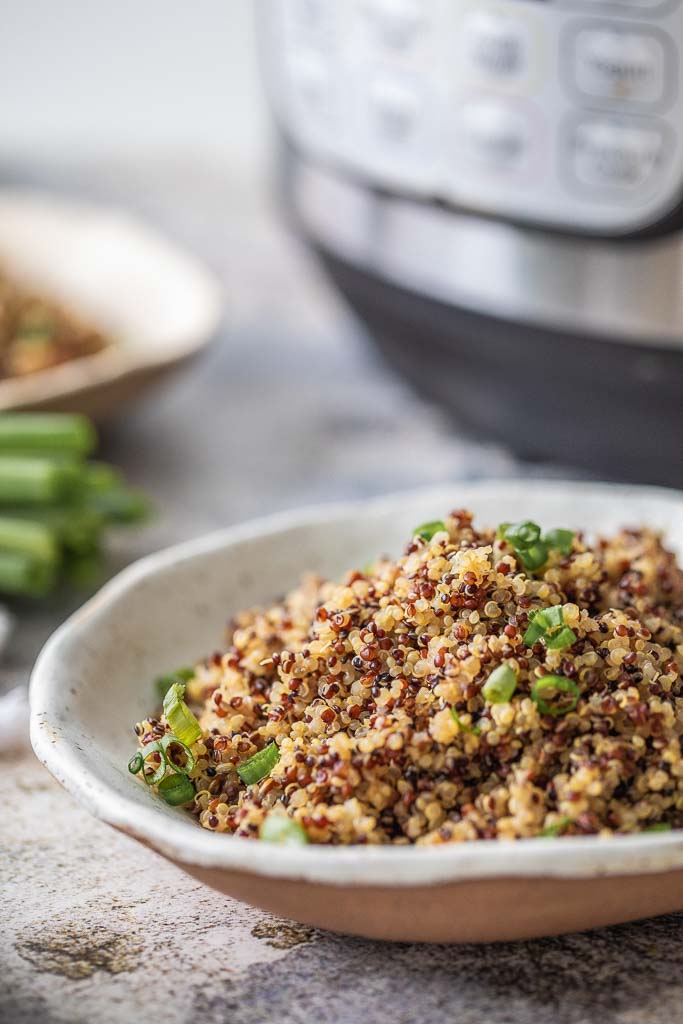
(412, 702)
(37, 332)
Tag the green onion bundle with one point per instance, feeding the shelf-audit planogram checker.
(55, 505)
(530, 547)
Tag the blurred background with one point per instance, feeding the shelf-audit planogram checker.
(158, 110)
(137, 81)
(420, 279)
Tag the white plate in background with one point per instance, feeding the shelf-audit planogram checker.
(157, 301)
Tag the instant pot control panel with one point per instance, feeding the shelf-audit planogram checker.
(563, 113)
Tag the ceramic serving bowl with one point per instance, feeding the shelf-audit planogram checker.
(92, 681)
(159, 305)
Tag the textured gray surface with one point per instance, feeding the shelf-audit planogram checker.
(94, 927)
(288, 407)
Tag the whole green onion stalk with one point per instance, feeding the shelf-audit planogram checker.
(55, 507)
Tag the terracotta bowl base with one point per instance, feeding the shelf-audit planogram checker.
(488, 910)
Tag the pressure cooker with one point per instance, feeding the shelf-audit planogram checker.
(496, 186)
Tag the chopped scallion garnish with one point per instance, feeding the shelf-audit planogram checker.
(560, 540)
(427, 530)
(153, 777)
(163, 683)
(521, 535)
(532, 549)
(138, 761)
(500, 685)
(259, 765)
(660, 826)
(170, 740)
(176, 789)
(472, 729)
(548, 625)
(555, 695)
(279, 828)
(181, 720)
(557, 829)
(533, 557)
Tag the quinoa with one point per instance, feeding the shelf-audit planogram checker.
(372, 689)
(36, 332)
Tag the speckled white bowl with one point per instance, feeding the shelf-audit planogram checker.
(156, 301)
(92, 681)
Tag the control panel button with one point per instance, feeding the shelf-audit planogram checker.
(395, 108)
(393, 128)
(496, 44)
(396, 24)
(311, 84)
(496, 134)
(624, 4)
(619, 64)
(564, 113)
(310, 16)
(610, 154)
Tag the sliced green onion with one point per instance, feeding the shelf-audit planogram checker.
(530, 548)
(557, 829)
(427, 530)
(280, 828)
(47, 433)
(661, 826)
(521, 535)
(548, 625)
(156, 775)
(176, 790)
(162, 684)
(555, 695)
(563, 638)
(500, 685)
(541, 621)
(181, 720)
(170, 740)
(259, 765)
(161, 747)
(472, 729)
(534, 557)
(560, 540)
(525, 539)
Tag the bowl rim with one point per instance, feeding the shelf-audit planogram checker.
(179, 838)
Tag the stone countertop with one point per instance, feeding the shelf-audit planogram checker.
(95, 927)
(288, 407)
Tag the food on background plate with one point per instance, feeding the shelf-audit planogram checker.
(36, 332)
(55, 504)
(489, 683)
